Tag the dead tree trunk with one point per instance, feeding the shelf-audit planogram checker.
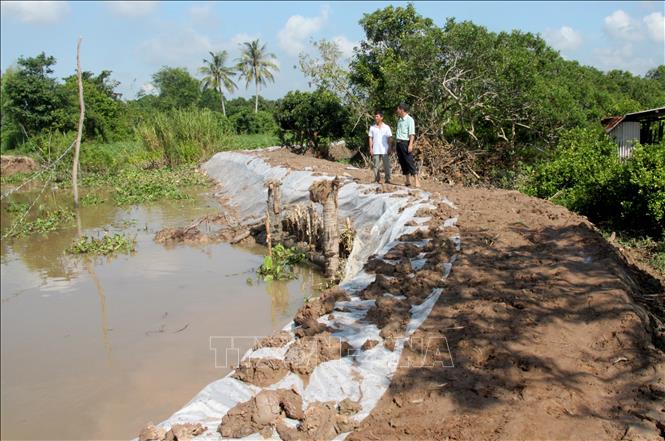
(77, 148)
(325, 193)
(274, 201)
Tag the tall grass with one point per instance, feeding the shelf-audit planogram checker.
(184, 136)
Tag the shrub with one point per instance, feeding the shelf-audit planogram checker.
(248, 122)
(641, 186)
(587, 176)
(309, 119)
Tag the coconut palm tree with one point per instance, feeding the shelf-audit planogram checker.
(218, 76)
(256, 65)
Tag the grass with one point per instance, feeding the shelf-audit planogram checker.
(116, 243)
(252, 141)
(16, 207)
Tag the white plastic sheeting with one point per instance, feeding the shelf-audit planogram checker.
(379, 220)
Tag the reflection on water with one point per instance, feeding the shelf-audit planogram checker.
(95, 348)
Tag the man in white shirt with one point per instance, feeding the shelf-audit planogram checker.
(380, 139)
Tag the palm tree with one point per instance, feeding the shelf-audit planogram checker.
(217, 75)
(256, 65)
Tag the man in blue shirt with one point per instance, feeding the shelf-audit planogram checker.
(405, 136)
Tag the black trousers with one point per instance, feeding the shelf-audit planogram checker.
(405, 158)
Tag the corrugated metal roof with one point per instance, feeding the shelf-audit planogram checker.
(657, 113)
(611, 122)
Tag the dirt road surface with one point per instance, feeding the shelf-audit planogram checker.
(551, 331)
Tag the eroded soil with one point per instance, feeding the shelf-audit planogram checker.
(551, 331)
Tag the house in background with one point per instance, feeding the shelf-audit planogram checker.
(646, 127)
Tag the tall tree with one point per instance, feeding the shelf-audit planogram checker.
(256, 65)
(32, 97)
(218, 75)
(177, 88)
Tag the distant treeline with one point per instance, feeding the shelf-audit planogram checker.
(35, 103)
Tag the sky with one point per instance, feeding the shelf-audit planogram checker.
(135, 39)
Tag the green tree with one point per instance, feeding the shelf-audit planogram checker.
(177, 88)
(256, 65)
(306, 118)
(32, 98)
(657, 74)
(504, 97)
(105, 116)
(217, 75)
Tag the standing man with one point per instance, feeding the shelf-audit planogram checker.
(380, 137)
(406, 134)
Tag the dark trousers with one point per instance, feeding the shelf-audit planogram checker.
(405, 158)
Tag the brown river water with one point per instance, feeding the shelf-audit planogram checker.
(95, 348)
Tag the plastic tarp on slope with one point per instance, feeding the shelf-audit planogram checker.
(379, 220)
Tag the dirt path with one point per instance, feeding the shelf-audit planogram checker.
(546, 339)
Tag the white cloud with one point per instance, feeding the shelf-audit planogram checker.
(297, 30)
(622, 26)
(345, 45)
(184, 47)
(132, 8)
(563, 39)
(623, 57)
(655, 23)
(36, 11)
(148, 89)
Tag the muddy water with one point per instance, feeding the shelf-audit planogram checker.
(95, 348)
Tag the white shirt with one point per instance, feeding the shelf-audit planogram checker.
(380, 137)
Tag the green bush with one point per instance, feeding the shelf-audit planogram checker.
(309, 119)
(586, 175)
(247, 122)
(184, 136)
(641, 186)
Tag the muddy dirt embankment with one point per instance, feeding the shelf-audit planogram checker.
(464, 314)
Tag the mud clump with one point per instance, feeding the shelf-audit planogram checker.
(308, 352)
(349, 407)
(404, 267)
(322, 305)
(421, 286)
(389, 310)
(274, 341)
(261, 371)
(152, 433)
(402, 249)
(170, 236)
(310, 327)
(319, 424)
(10, 165)
(178, 432)
(376, 265)
(380, 286)
(184, 432)
(261, 412)
(369, 344)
